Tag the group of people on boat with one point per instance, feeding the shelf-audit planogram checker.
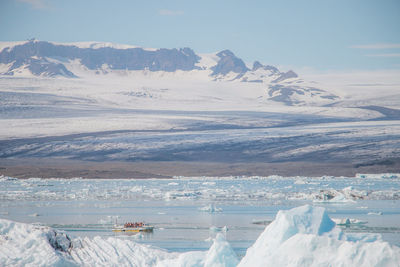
(134, 224)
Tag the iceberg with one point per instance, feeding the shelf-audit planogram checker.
(306, 236)
(220, 254)
(210, 208)
(31, 245)
(303, 236)
(28, 245)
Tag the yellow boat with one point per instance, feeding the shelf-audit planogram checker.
(133, 227)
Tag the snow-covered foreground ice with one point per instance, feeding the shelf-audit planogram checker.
(303, 236)
(30, 245)
(189, 213)
(306, 236)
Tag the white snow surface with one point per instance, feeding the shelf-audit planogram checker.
(303, 236)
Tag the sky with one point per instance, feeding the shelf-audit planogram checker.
(324, 35)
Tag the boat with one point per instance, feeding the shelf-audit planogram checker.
(133, 227)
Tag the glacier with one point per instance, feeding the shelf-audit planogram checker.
(302, 236)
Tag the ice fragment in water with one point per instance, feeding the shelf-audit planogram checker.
(210, 208)
(313, 240)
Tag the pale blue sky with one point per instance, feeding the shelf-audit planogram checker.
(317, 34)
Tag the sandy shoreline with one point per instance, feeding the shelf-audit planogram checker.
(64, 168)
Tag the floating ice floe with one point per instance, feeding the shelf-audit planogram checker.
(348, 222)
(261, 222)
(210, 208)
(209, 183)
(108, 220)
(216, 229)
(375, 213)
(382, 175)
(300, 181)
(347, 194)
(7, 178)
(212, 190)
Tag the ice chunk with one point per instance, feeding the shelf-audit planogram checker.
(59, 241)
(349, 222)
(382, 175)
(28, 245)
(210, 208)
(375, 213)
(220, 254)
(7, 178)
(341, 198)
(188, 259)
(300, 181)
(209, 183)
(109, 220)
(22, 244)
(215, 229)
(306, 236)
(334, 196)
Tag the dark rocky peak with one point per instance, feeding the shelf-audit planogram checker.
(40, 66)
(228, 62)
(189, 53)
(286, 75)
(226, 53)
(257, 65)
(34, 48)
(291, 74)
(118, 59)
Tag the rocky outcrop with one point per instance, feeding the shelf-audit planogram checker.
(34, 55)
(228, 62)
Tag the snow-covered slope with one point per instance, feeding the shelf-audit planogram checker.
(92, 59)
(303, 236)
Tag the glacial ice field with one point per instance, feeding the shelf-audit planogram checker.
(194, 214)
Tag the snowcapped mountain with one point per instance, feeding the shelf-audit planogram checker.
(80, 60)
(115, 102)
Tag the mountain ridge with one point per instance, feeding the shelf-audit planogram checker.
(48, 59)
